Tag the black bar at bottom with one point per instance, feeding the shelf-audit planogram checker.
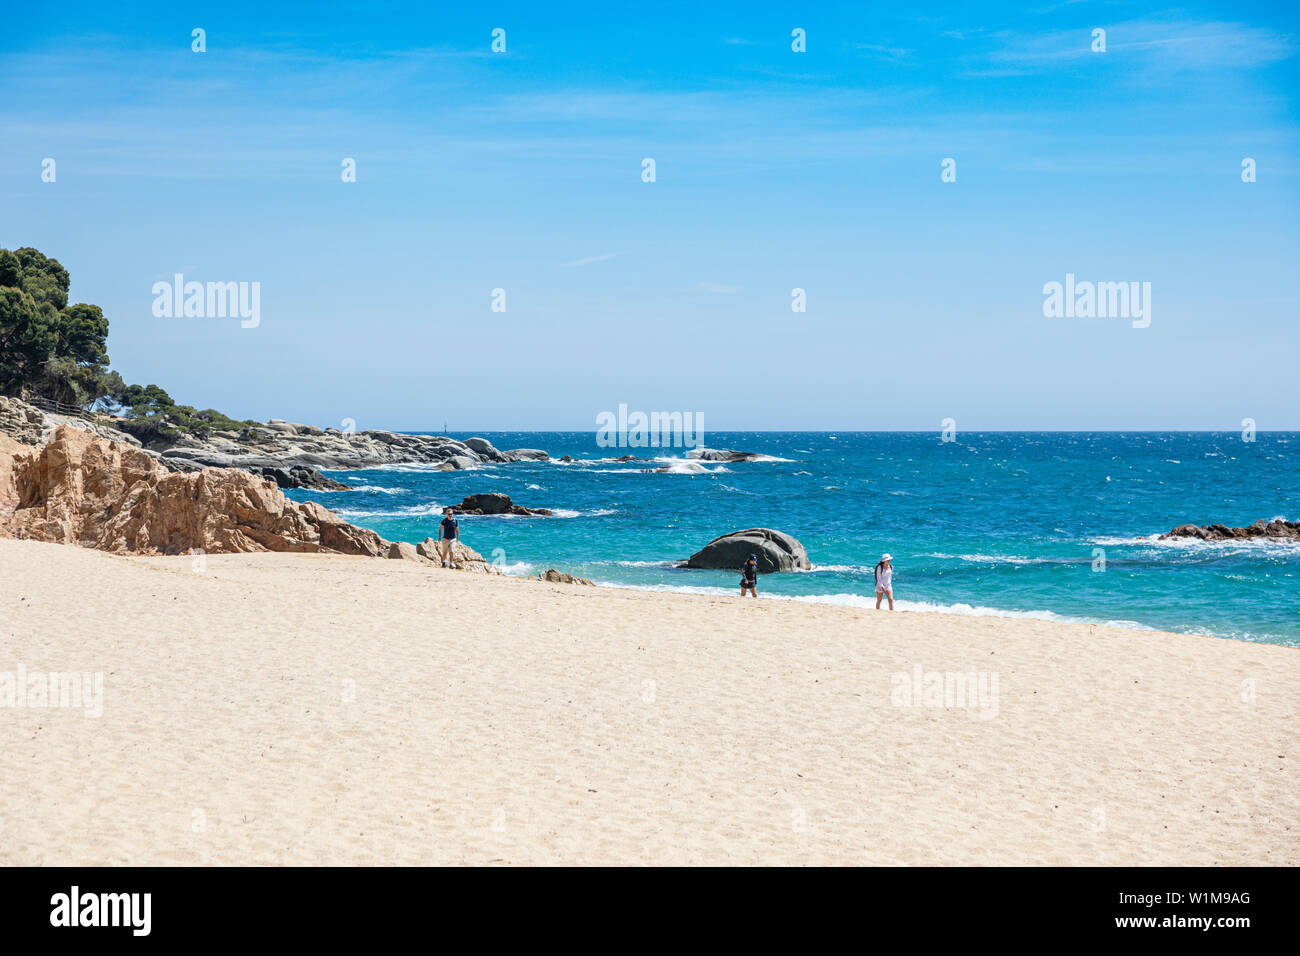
(335, 906)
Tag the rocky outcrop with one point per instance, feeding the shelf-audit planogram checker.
(776, 552)
(283, 445)
(496, 503)
(722, 454)
(402, 551)
(82, 489)
(21, 422)
(1277, 528)
(524, 454)
(463, 558)
(300, 476)
(277, 444)
(562, 577)
(31, 425)
(682, 467)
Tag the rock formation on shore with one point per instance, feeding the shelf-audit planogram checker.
(31, 425)
(1277, 528)
(85, 490)
(300, 476)
(429, 551)
(776, 551)
(21, 422)
(277, 444)
(562, 577)
(82, 489)
(283, 444)
(496, 503)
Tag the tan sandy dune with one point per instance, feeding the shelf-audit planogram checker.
(272, 708)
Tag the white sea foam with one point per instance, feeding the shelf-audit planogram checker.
(683, 466)
(845, 568)
(739, 491)
(1003, 559)
(1230, 546)
(421, 466)
(595, 513)
(869, 602)
(410, 511)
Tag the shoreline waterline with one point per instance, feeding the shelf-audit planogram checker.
(1021, 523)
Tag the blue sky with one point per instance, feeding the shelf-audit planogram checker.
(775, 170)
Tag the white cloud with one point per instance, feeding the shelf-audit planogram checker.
(590, 259)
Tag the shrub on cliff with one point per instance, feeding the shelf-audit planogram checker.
(59, 352)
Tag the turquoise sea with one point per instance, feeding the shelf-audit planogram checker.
(1004, 523)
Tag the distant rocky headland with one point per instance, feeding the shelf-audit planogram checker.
(276, 445)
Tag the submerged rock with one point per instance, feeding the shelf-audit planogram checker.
(776, 551)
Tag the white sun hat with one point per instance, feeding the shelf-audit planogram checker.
(886, 557)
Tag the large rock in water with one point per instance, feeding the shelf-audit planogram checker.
(722, 454)
(1277, 528)
(496, 503)
(776, 551)
(89, 491)
(524, 454)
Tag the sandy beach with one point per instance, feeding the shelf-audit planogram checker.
(310, 709)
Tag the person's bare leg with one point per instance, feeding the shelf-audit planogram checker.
(879, 595)
(890, 595)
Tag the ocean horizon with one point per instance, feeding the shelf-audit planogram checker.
(1054, 525)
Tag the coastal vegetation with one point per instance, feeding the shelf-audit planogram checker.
(58, 353)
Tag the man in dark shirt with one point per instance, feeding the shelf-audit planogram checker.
(448, 532)
(749, 576)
